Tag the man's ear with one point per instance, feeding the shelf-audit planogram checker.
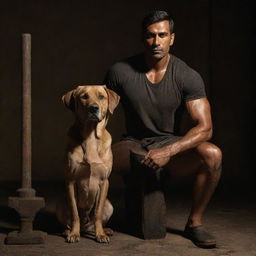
(172, 38)
(69, 100)
(113, 100)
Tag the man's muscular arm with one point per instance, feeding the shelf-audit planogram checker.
(199, 111)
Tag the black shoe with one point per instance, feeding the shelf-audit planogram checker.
(200, 237)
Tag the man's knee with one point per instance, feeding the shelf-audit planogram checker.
(121, 155)
(211, 156)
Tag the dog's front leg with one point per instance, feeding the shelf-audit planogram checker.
(99, 231)
(74, 235)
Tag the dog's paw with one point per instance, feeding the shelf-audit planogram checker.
(73, 237)
(109, 231)
(102, 238)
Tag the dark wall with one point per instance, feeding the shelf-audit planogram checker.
(232, 87)
(74, 42)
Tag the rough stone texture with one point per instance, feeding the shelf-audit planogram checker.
(145, 203)
(27, 207)
(230, 218)
(26, 111)
(25, 238)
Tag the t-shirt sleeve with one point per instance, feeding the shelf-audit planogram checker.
(193, 85)
(111, 80)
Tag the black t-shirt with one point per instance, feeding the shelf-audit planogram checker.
(150, 108)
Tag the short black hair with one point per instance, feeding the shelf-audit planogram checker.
(156, 16)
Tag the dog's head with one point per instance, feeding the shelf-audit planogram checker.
(91, 102)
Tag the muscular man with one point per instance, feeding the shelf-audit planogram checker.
(152, 86)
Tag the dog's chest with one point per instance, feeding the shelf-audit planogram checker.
(92, 152)
(82, 156)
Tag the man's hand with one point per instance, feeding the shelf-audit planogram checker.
(157, 158)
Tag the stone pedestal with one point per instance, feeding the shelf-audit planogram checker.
(145, 203)
(27, 204)
(27, 207)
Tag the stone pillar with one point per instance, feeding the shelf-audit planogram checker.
(145, 202)
(26, 204)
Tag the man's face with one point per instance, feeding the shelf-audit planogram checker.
(158, 39)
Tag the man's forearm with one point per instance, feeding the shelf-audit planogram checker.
(193, 138)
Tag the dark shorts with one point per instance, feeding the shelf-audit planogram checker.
(154, 142)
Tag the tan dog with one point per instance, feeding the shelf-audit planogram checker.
(88, 164)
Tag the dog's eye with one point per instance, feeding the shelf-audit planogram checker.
(85, 96)
(101, 97)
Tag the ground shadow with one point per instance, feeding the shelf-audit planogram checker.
(175, 231)
(9, 219)
(44, 221)
(47, 221)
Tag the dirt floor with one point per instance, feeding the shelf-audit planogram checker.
(230, 218)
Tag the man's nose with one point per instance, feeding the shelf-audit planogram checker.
(156, 40)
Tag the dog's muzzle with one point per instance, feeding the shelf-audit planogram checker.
(93, 112)
(93, 109)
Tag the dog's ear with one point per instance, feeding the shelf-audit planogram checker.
(69, 100)
(113, 100)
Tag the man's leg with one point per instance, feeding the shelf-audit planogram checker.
(121, 156)
(204, 162)
(206, 181)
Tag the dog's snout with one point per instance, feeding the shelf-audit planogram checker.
(93, 109)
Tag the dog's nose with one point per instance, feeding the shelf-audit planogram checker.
(93, 108)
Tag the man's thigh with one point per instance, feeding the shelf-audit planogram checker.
(184, 165)
(121, 155)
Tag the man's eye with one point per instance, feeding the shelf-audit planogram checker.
(162, 35)
(85, 96)
(101, 97)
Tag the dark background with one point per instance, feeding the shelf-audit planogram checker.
(75, 42)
